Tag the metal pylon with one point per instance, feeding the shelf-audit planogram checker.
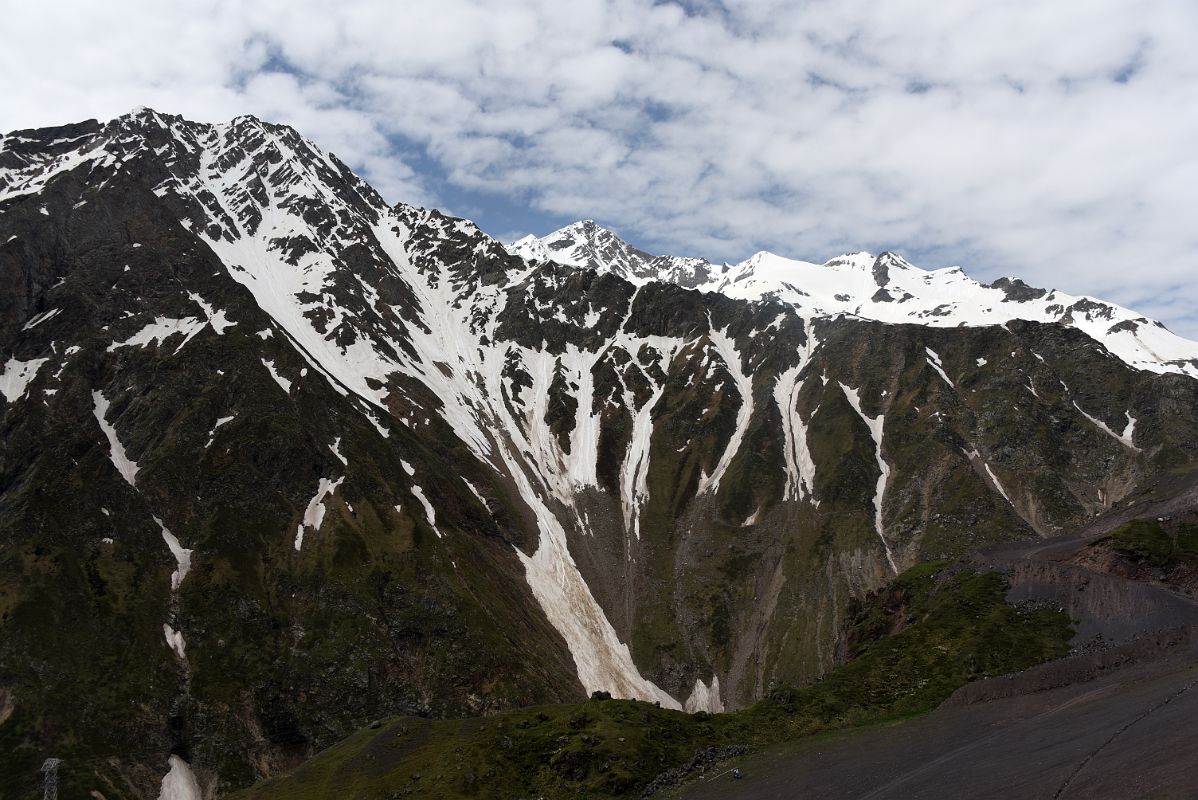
(50, 784)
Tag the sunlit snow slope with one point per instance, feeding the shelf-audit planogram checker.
(885, 288)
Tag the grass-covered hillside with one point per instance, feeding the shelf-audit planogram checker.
(933, 629)
(1149, 542)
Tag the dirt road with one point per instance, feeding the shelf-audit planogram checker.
(1125, 735)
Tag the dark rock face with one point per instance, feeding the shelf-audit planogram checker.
(881, 270)
(361, 460)
(1017, 291)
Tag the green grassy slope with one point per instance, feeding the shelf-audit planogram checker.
(908, 647)
(1147, 541)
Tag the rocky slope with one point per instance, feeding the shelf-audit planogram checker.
(1107, 721)
(278, 459)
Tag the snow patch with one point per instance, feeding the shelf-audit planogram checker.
(705, 698)
(634, 473)
(934, 362)
(429, 514)
(174, 640)
(212, 433)
(418, 493)
(314, 513)
(876, 426)
(40, 318)
(997, 483)
(335, 447)
(800, 466)
(180, 783)
(974, 455)
(1124, 438)
(602, 660)
(216, 318)
(161, 329)
(378, 426)
(284, 384)
(182, 556)
(16, 377)
(474, 491)
(1129, 432)
(744, 387)
(124, 465)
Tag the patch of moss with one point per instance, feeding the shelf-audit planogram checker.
(1187, 541)
(1147, 541)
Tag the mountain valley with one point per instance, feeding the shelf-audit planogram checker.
(281, 460)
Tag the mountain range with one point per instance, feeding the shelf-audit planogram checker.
(279, 459)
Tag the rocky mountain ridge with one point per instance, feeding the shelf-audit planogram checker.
(886, 288)
(281, 459)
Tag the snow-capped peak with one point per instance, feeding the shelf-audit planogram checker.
(591, 246)
(886, 288)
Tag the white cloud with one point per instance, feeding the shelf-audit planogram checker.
(1049, 140)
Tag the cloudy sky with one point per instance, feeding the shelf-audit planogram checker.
(1051, 140)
